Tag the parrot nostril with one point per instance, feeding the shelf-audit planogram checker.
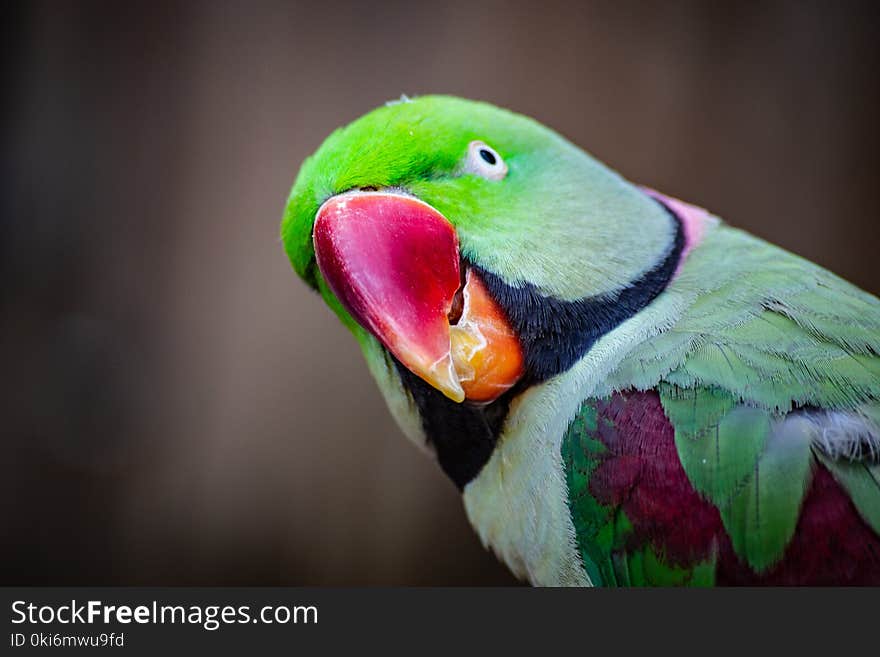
(369, 188)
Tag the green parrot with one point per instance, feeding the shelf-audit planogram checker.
(626, 390)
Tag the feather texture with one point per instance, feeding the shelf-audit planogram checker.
(769, 373)
(794, 519)
(767, 326)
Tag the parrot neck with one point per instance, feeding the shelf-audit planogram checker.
(554, 334)
(463, 434)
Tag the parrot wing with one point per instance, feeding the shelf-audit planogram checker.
(739, 445)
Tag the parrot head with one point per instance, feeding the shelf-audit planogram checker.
(483, 251)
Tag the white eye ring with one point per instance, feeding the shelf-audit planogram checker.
(483, 160)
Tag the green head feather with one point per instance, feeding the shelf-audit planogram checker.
(559, 220)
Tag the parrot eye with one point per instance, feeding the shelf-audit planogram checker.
(483, 160)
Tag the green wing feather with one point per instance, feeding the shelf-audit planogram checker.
(862, 481)
(761, 517)
(604, 530)
(764, 325)
(718, 444)
(593, 522)
(765, 335)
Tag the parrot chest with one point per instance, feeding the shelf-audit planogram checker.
(518, 504)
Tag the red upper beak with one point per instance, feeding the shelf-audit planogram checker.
(393, 262)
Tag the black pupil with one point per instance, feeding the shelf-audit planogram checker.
(487, 156)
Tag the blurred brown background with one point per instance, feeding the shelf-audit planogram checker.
(178, 408)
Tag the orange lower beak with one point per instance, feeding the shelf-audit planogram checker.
(393, 263)
(486, 352)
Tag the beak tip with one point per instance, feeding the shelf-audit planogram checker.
(442, 376)
(455, 395)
